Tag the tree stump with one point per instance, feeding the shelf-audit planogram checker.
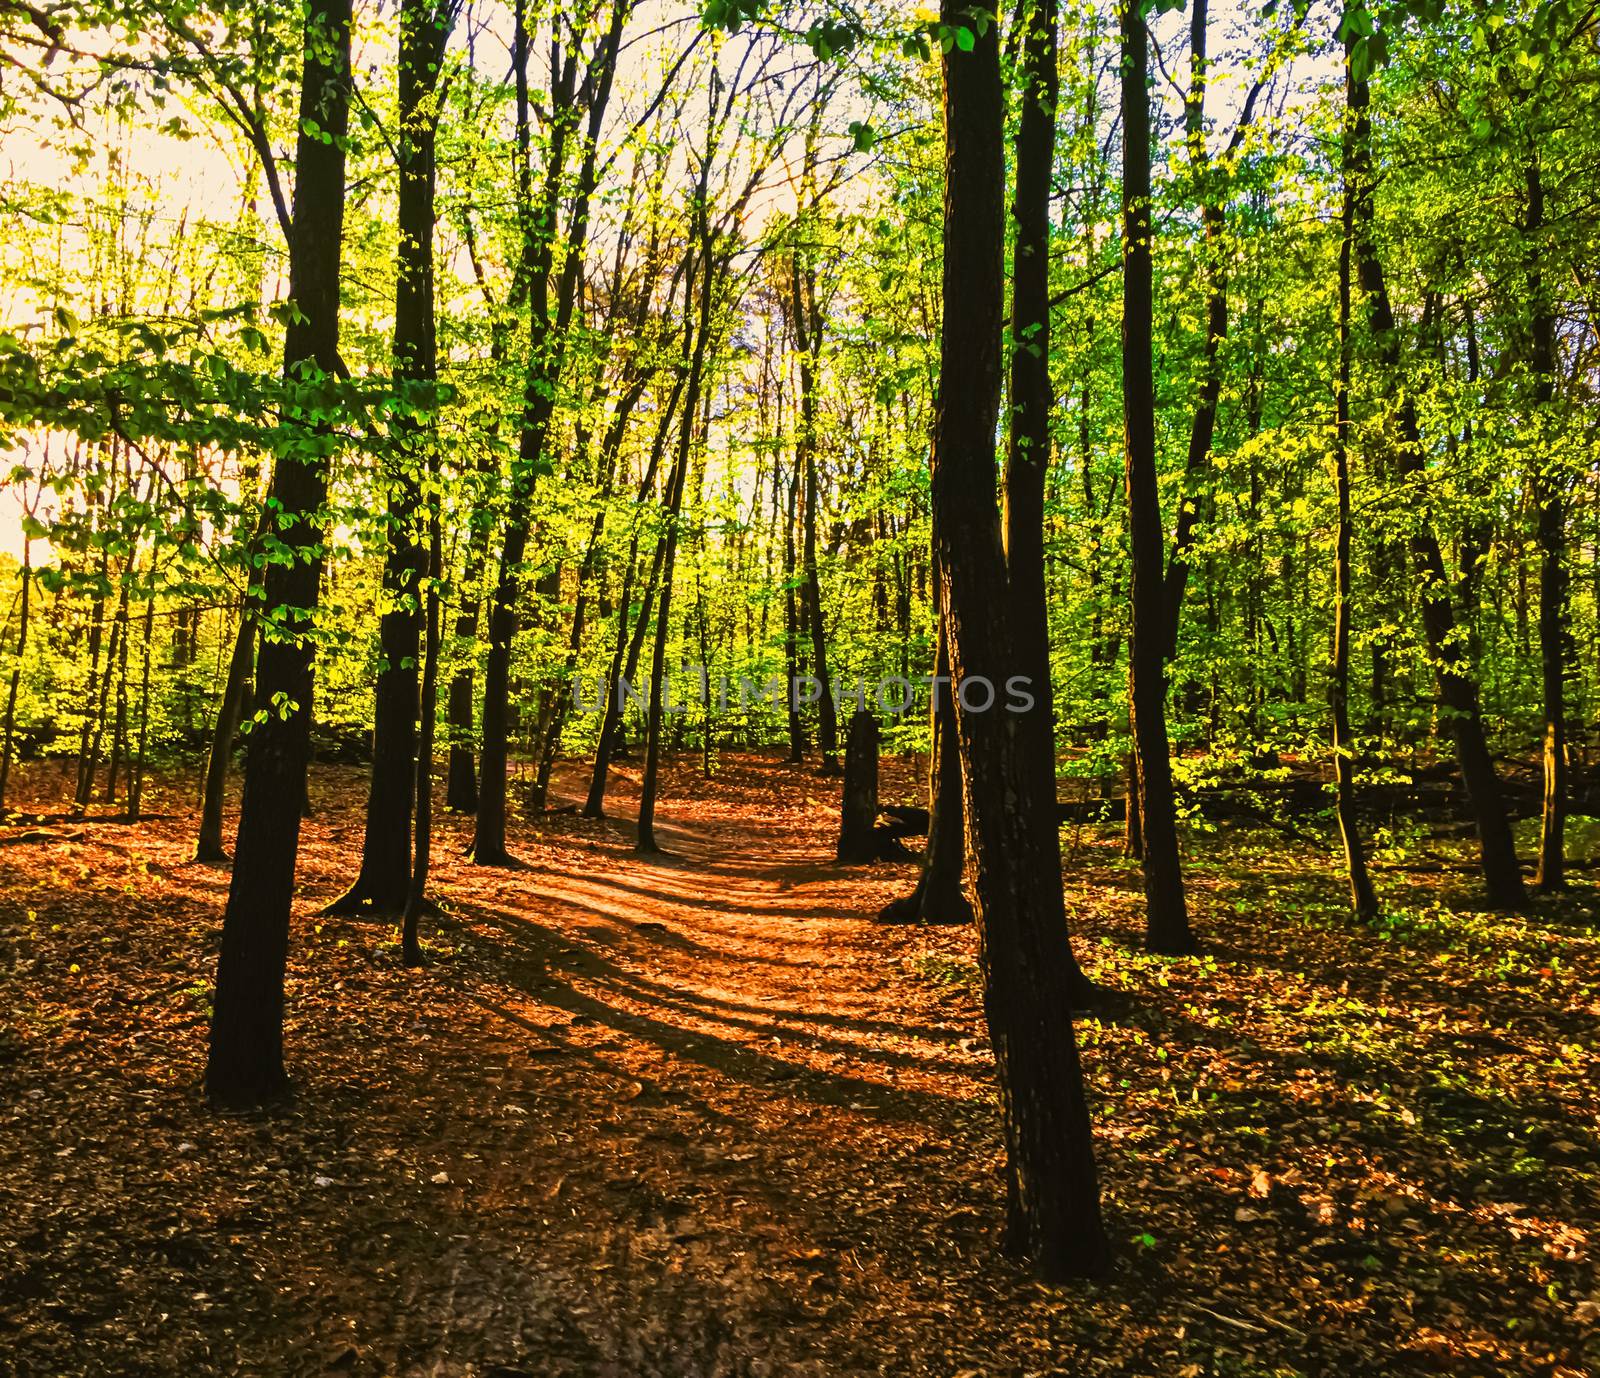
(858, 817)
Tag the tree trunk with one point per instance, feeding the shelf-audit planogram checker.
(1167, 915)
(208, 846)
(938, 897)
(119, 728)
(422, 852)
(646, 839)
(791, 625)
(136, 775)
(808, 341)
(245, 1064)
(16, 670)
(547, 351)
(626, 654)
(87, 760)
(1053, 1210)
(1363, 898)
(1550, 493)
(385, 876)
(858, 810)
(1458, 688)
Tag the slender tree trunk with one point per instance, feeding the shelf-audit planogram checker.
(16, 670)
(88, 761)
(119, 728)
(461, 788)
(384, 880)
(547, 352)
(1550, 493)
(422, 851)
(538, 798)
(707, 271)
(245, 1065)
(1053, 1210)
(626, 654)
(119, 637)
(1029, 449)
(136, 777)
(1167, 916)
(1363, 898)
(808, 342)
(1214, 230)
(208, 846)
(938, 897)
(791, 635)
(1458, 687)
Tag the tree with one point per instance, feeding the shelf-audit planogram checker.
(1166, 911)
(385, 877)
(1363, 898)
(1053, 1212)
(1457, 688)
(245, 1062)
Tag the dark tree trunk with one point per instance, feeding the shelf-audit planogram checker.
(1214, 229)
(386, 862)
(91, 761)
(461, 780)
(938, 897)
(1032, 397)
(1458, 687)
(626, 654)
(119, 729)
(539, 795)
(547, 352)
(1167, 915)
(1053, 1211)
(136, 773)
(208, 846)
(422, 852)
(88, 760)
(858, 809)
(791, 624)
(1363, 898)
(16, 669)
(1550, 493)
(707, 271)
(808, 342)
(245, 1065)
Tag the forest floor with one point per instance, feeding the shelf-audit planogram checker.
(698, 1115)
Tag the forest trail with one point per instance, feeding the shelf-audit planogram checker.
(697, 1115)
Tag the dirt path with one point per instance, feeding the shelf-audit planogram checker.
(696, 1115)
(641, 1115)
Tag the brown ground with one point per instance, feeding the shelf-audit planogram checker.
(698, 1115)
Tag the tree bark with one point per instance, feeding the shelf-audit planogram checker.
(245, 1064)
(136, 769)
(1166, 912)
(1053, 1210)
(1458, 687)
(1363, 898)
(807, 317)
(208, 846)
(1550, 494)
(547, 352)
(16, 670)
(695, 367)
(858, 809)
(939, 897)
(626, 654)
(385, 878)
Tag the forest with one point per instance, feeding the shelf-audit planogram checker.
(799, 687)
